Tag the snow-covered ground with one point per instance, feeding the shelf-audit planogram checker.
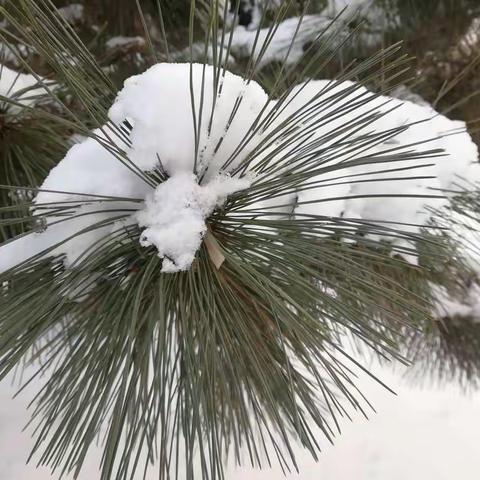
(422, 434)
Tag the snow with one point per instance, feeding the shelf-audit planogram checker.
(424, 433)
(467, 45)
(158, 105)
(89, 168)
(322, 196)
(200, 177)
(7, 56)
(292, 35)
(20, 87)
(297, 33)
(463, 227)
(247, 43)
(370, 9)
(71, 237)
(121, 42)
(447, 307)
(402, 92)
(178, 209)
(426, 130)
(73, 13)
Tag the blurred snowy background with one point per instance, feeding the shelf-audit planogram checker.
(423, 433)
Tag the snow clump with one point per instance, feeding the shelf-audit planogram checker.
(177, 210)
(158, 107)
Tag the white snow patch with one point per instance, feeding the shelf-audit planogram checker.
(324, 195)
(7, 55)
(421, 129)
(297, 33)
(71, 237)
(422, 433)
(468, 44)
(72, 13)
(121, 42)
(20, 87)
(447, 306)
(291, 36)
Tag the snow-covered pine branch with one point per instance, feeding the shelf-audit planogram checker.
(241, 139)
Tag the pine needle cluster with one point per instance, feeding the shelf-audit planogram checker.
(245, 354)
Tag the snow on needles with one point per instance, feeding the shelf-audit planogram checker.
(174, 123)
(19, 87)
(158, 105)
(411, 127)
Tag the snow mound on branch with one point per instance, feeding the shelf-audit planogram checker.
(377, 192)
(196, 128)
(323, 195)
(91, 169)
(294, 35)
(73, 237)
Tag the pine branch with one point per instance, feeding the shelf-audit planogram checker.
(178, 364)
